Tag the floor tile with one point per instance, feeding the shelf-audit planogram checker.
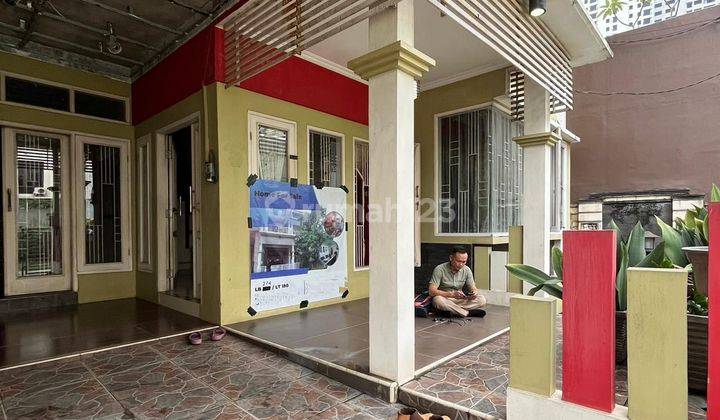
(122, 359)
(223, 412)
(251, 351)
(467, 397)
(480, 377)
(206, 362)
(161, 377)
(36, 378)
(246, 381)
(329, 386)
(85, 399)
(287, 367)
(343, 412)
(287, 400)
(375, 407)
(187, 401)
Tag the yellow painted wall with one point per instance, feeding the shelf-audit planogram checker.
(91, 287)
(202, 104)
(463, 94)
(233, 107)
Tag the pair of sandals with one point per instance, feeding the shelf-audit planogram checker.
(216, 335)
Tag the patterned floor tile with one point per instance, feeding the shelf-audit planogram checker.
(343, 412)
(179, 346)
(287, 367)
(38, 377)
(463, 396)
(155, 379)
(287, 400)
(479, 377)
(251, 351)
(245, 381)
(184, 399)
(375, 407)
(329, 386)
(224, 412)
(206, 362)
(122, 359)
(86, 399)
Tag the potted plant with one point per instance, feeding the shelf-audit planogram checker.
(629, 254)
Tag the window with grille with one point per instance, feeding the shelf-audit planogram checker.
(362, 201)
(480, 172)
(103, 210)
(273, 154)
(559, 197)
(325, 161)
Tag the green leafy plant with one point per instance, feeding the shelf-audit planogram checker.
(697, 304)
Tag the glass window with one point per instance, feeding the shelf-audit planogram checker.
(38, 217)
(103, 226)
(325, 159)
(99, 106)
(37, 94)
(273, 151)
(362, 200)
(480, 172)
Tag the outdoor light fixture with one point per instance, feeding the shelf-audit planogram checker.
(537, 7)
(112, 44)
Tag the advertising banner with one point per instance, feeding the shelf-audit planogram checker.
(298, 244)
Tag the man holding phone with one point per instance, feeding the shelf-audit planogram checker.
(452, 287)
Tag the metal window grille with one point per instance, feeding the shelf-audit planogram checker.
(272, 153)
(103, 228)
(362, 198)
(480, 172)
(325, 160)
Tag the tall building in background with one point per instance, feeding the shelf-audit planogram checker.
(654, 11)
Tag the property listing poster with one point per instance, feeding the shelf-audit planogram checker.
(298, 244)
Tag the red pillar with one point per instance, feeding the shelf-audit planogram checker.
(713, 393)
(589, 318)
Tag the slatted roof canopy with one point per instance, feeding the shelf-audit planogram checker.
(525, 42)
(264, 33)
(516, 93)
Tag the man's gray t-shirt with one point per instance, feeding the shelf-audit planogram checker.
(448, 281)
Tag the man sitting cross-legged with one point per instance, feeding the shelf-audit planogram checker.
(452, 287)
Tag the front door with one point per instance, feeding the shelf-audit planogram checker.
(36, 209)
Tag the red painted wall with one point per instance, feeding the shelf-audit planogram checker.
(199, 62)
(713, 392)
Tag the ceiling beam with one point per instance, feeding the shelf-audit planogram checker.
(131, 15)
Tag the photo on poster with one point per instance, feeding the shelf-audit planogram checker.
(298, 244)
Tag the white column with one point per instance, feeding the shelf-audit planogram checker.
(392, 66)
(537, 143)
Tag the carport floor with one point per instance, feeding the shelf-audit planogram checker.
(168, 378)
(339, 333)
(41, 334)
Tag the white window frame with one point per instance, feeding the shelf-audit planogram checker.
(145, 234)
(255, 119)
(562, 181)
(125, 219)
(72, 90)
(436, 172)
(341, 158)
(355, 266)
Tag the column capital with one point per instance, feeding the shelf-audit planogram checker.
(396, 56)
(538, 139)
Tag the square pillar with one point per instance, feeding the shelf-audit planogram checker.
(392, 68)
(537, 144)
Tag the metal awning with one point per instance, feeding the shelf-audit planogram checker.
(264, 33)
(507, 28)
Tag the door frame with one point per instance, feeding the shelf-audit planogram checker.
(161, 193)
(12, 284)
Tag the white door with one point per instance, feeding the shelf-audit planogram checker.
(36, 187)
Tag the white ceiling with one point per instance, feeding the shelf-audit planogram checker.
(458, 53)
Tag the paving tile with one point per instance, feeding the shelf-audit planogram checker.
(287, 400)
(343, 412)
(375, 407)
(86, 399)
(223, 412)
(36, 378)
(480, 377)
(160, 377)
(207, 362)
(287, 367)
(423, 404)
(331, 387)
(122, 359)
(190, 400)
(246, 381)
(465, 397)
(253, 352)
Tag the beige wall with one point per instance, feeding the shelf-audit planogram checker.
(233, 107)
(463, 94)
(91, 287)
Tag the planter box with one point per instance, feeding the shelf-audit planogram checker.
(697, 352)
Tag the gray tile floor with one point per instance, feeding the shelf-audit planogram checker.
(339, 333)
(168, 378)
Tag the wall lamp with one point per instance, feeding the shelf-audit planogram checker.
(538, 7)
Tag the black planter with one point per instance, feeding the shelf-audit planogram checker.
(697, 352)
(620, 337)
